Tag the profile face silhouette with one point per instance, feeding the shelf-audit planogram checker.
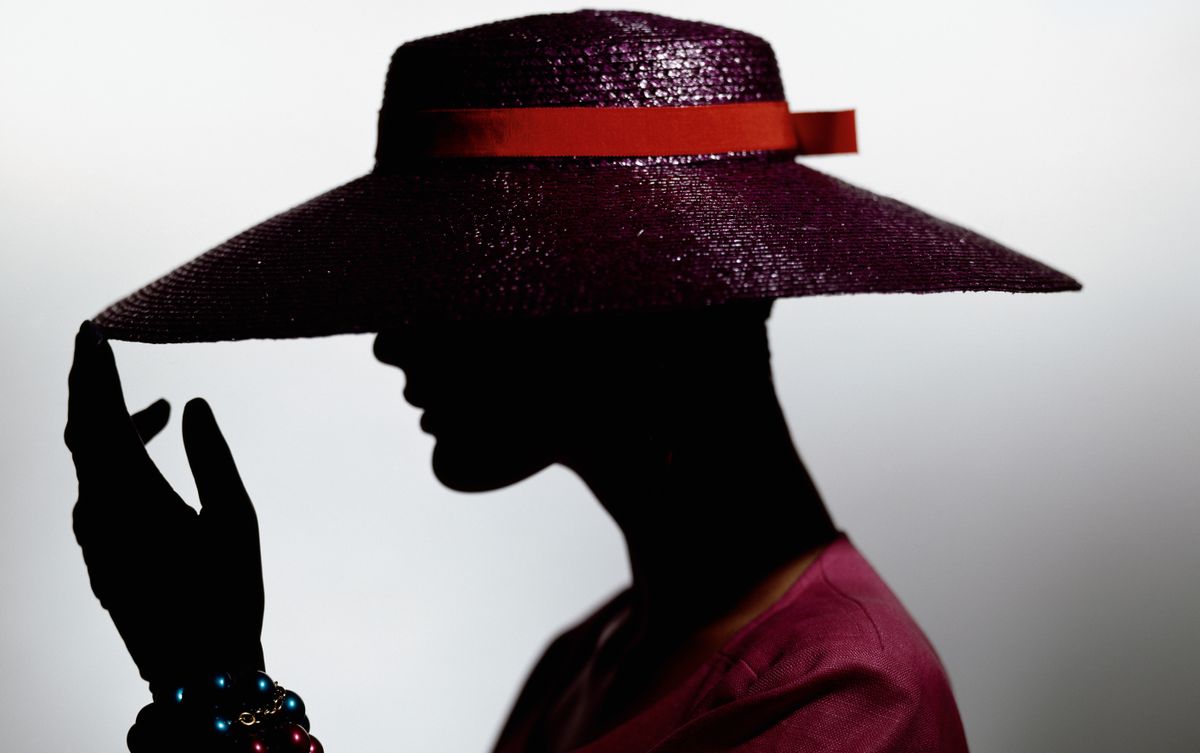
(480, 385)
(505, 398)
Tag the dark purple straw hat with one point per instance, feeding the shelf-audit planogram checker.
(434, 233)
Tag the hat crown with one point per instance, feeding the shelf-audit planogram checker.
(599, 58)
(589, 58)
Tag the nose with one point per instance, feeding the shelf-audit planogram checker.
(386, 348)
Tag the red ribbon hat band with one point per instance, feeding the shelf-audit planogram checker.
(630, 131)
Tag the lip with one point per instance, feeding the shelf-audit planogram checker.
(414, 399)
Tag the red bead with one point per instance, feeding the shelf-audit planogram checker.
(314, 745)
(257, 746)
(295, 738)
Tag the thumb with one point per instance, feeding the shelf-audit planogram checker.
(150, 420)
(217, 480)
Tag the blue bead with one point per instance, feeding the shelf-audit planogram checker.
(222, 681)
(293, 704)
(263, 684)
(221, 724)
(179, 695)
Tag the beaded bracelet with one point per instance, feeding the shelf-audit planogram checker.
(248, 713)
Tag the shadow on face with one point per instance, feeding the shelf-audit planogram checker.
(505, 398)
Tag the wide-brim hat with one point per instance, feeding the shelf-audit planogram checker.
(573, 163)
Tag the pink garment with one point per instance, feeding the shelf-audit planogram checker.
(835, 664)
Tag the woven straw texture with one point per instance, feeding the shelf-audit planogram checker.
(459, 238)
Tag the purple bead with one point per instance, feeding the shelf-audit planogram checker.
(314, 745)
(254, 745)
(295, 739)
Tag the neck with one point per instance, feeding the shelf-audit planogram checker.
(713, 504)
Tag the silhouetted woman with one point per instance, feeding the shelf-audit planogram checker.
(671, 419)
(532, 178)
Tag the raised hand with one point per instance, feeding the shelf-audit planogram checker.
(183, 589)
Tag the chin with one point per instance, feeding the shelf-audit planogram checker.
(479, 468)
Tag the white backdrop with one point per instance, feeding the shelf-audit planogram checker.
(1021, 469)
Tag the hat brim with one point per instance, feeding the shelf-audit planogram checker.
(470, 239)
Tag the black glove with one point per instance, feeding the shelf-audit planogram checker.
(184, 589)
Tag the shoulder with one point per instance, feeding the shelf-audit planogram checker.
(838, 607)
(839, 664)
(561, 658)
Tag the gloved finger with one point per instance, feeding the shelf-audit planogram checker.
(229, 525)
(150, 420)
(217, 480)
(99, 430)
(78, 392)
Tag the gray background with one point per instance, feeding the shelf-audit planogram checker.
(1021, 469)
